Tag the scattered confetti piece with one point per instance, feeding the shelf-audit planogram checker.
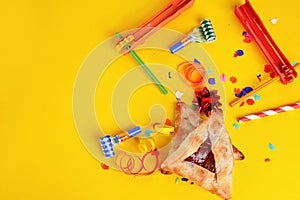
(209, 71)
(242, 104)
(238, 53)
(192, 183)
(256, 97)
(169, 74)
(178, 95)
(250, 101)
(244, 92)
(294, 63)
(267, 160)
(185, 179)
(176, 180)
(147, 133)
(236, 126)
(271, 146)
(196, 61)
(259, 77)
(237, 90)
(223, 78)
(233, 79)
(104, 166)
(168, 122)
(211, 81)
(247, 37)
(274, 20)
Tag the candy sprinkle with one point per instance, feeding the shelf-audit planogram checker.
(185, 179)
(294, 63)
(104, 166)
(236, 126)
(211, 81)
(169, 74)
(178, 95)
(250, 101)
(176, 180)
(223, 78)
(271, 146)
(267, 160)
(256, 97)
(232, 79)
(274, 20)
(147, 133)
(209, 71)
(238, 53)
(196, 61)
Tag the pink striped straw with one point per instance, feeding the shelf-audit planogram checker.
(269, 112)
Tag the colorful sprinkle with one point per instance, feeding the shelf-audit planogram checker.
(209, 71)
(192, 183)
(211, 81)
(168, 122)
(104, 166)
(259, 77)
(233, 79)
(236, 126)
(250, 101)
(244, 92)
(294, 63)
(196, 61)
(274, 20)
(223, 78)
(242, 104)
(169, 74)
(147, 133)
(238, 53)
(271, 146)
(185, 179)
(256, 97)
(178, 95)
(247, 36)
(267, 160)
(176, 180)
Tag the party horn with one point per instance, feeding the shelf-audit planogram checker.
(107, 142)
(201, 34)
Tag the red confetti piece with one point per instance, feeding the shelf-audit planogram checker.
(237, 90)
(168, 122)
(232, 79)
(104, 166)
(250, 101)
(242, 104)
(259, 77)
(267, 160)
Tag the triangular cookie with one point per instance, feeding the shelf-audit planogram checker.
(204, 154)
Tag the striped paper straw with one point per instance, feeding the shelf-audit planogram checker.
(269, 112)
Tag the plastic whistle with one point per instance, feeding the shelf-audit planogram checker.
(278, 63)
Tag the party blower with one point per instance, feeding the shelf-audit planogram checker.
(107, 142)
(202, 34)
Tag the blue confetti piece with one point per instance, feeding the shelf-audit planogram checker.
(147, 133)
(211, 81)
(240, 52)
(236, 126)
(209, 71)
(256, 97)
(196, 61)
(185, 179)
(294, 63)
(271, 146)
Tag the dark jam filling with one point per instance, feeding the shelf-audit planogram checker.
(204, 157)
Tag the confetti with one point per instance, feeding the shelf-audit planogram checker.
(223, 78)
(250, 101)
(274, 20)
(233, 79)
(178, 95)
(209, 71)
(211, 81)
(147, 133)
(247, 37)
(236, 126)
(238, 53)
(169, 74)
(244, 92)
(271, 146)
(168, 122)
(104, 166)
(294, 63)
(267, 160)
(256, 97)
(259, 77)
(176, 180)
(196, 61)
(242, 104)
(192, 183)
(185, 179)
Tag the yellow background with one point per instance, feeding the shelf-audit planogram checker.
(43, 44)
